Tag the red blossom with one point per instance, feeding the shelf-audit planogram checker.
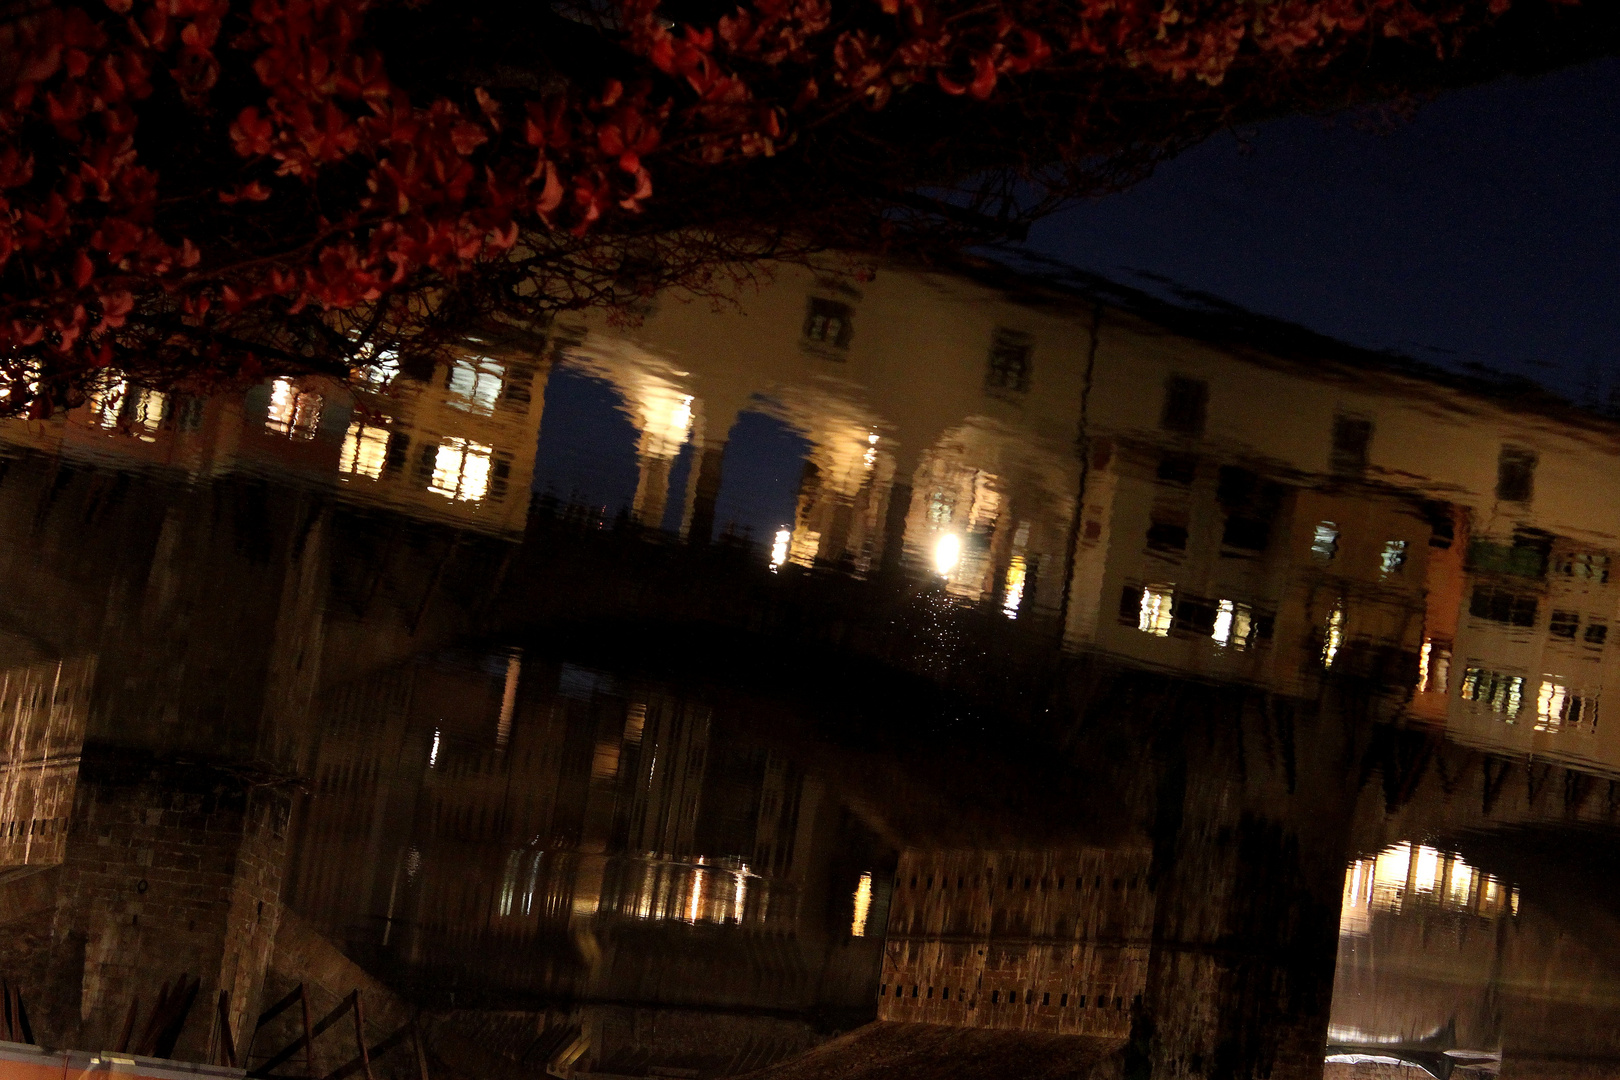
(445, 186)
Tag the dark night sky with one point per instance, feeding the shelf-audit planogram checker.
(1486, 230)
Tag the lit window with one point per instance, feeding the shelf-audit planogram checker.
(150, 407)
(1550, 704)
(107, 403)
(22, 376)
(1494, 690)
(1434, 667)
(947, 553)
(293, 412)
(378, 369)
(1393, 557)
(1234, 624)
(1156, 608)
(1014, 595)
(1557, 707)
(1325, 540)
(1333, 640)
(779, 549)
(1417, 875)
(1586, 565)
(461, 470)
(365, 450)
(863, 906)
(474, 386)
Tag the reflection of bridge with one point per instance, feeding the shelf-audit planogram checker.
(1225, 640)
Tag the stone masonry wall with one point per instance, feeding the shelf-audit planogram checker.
(168, 871)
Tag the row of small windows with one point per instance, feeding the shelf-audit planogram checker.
(10, 830)
(1507, 695)
(1161, 610)
(829, 326)
(1186, 412)
(1512, 608)
(138, 409)
(1529, 554)
(1010, 997)
(963, 881)
(458, 469)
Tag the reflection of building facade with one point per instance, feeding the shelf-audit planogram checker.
(454, 446)
(1054, 941)
(509, 827)
(43, 708)
(1242, 516)
(542, 830)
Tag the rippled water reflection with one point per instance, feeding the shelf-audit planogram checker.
(930, 675)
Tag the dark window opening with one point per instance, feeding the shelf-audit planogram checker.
(1186, 405)
(1351, 437)
(1500, 605)
(1194, 615)
(1011, 361)
(518, 388)
(189, 414)
(1515, 474)
(1596, 633)
(829, 322)
(398, 444)
(1442, 529)
(1247, 534)
(1166, 536)
(1564, 624)
(1130, 605)
(1178, 469)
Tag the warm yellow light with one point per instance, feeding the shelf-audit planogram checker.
(1014, 596)
(107, 402)
(365, 450)
(293, 412)
(697, 895)
(461, 470)
(1335, 636)
(863, 906)
(947, 553)
(779, 550)
(1156, 614)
